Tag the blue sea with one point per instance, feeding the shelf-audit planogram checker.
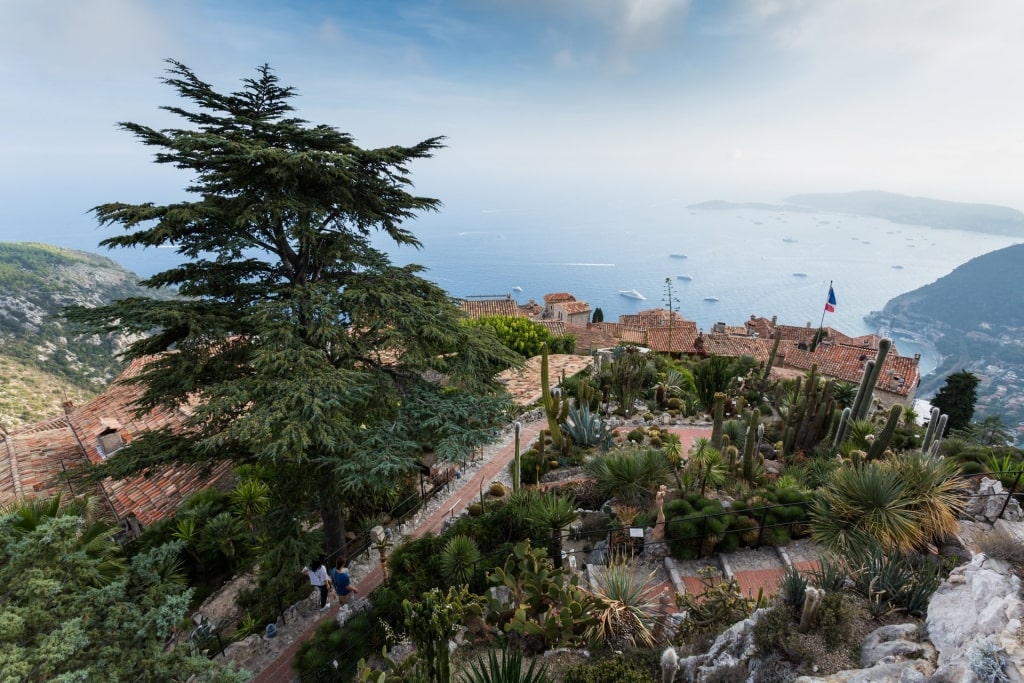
(755, 262)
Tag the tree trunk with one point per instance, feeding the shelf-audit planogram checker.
(334, 527)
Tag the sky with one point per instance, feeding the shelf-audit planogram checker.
(573, 105)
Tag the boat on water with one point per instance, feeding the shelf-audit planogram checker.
(711, 298)
(788, 240)
(632, 294)
(799, 274)
(517, 288)
(898, 267)
(684, 277)
(677, 255)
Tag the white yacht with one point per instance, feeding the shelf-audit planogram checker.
(632, 294)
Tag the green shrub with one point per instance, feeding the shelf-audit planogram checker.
(793, 588)
(331, 643)
(772, 629)
(835, 622)
(636, 435)
(614, 669)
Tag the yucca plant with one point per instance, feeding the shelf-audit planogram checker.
(631, 476)
(508, 669)
(707, 465)
(554, 512)
(628, 611)
(459, 559)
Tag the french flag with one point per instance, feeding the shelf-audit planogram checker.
(830, 305)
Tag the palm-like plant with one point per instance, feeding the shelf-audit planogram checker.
(459, 559)
(860, 435)
(508, 669)
(631, 476)
(628, 611)
(555, 513)
(251, 499)
(95, 536)
(938, 494)
(900, 504)
(844, 394)
(706, 465)
(864, 505)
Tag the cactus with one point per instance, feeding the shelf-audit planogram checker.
(810, 416)
(843, 427)
(517, 460)
(771, 356)
(718, 414)
(813, 598)
(929, 432)
(750, 446)
(939, 431)
(873, 369)
(556, 407)
(883, 439)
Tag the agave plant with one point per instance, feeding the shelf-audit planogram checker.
(586, 428)
(508, 669)
(706, 465)
(628, 610)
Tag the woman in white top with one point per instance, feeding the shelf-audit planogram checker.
(317, 574)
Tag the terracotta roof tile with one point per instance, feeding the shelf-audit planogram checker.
(558, 297)
(574, 307)
(476, 308)
(899, 375)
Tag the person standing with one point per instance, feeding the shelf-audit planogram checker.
(317, 574)
(341, 580)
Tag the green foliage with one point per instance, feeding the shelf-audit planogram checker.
(548, 608)
(430, 622)
(507, 669)
(628, 376)
(586, 428)
(899, 503)
(277, 234)
(711, 376)
(719, 605)
(459, 559)
(522, 335)
(773, 628)
(793, 588)
(597, 316)
(57, 622)
(957, 399)
(315, 660)
(632, 476)
(894, 580)
(629, 611)
(618, 668)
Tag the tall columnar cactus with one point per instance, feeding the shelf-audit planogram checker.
(939, 431)
(750, 446)
(517, 463)
(810, 416)
(883, 439)
(863, 390)
(718, 416)
(870, 380)
(843, 428)
(929, 432)
(556, 406)
(771, 356)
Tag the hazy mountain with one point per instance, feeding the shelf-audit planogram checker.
(934, 213)
(974, 317)
(898, 208)
(42, 362)
(983, 293)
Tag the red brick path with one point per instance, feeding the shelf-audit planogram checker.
(281, 668)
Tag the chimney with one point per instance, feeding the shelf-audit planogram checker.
(775, 319)
(68, 407)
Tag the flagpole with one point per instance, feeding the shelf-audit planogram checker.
(822, 323)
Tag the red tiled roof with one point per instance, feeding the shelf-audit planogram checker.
(573, 307)
(33, 457)
(558, 297)
(899, 374)
(476, 308)
(651, 317)
(594, 335)
(683, 334)
(734, 347)
(556, 327)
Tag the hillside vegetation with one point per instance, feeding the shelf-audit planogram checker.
(42, 361)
